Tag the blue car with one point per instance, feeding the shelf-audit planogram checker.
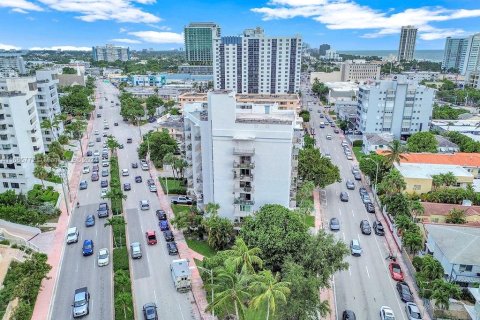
(87, 248)
(163, 225)
(90, 220)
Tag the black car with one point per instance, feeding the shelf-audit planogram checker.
(362, 191)
(134, 165)
(104, 156)
(378, 228)
(357, 176)
(336, 131)
(129, 140)
(168, 236)
(150, 311)
(152, 119)
(115, 124)
(127, 187)
(96, 160)
(104, 183)
(348, 315)
(404, 292)
(343, 196)
(138, 179)
(161, 215)
(172, 248)
(370, 207)
(120, 146)
(89, 153)
(365, 227)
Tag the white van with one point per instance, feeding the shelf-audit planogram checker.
(72, 235)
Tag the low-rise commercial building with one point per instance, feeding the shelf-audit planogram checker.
(241, 155)
(359, 71)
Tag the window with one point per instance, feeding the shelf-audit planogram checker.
(15, 185)
(417, 187)
(465, 268)
(245, 208)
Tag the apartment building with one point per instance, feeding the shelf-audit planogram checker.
(20, 133)
(472, 55)
(48, 104)
(11, 63)
(359, 71)
(256, 63)
(110, 53)
(406, 47)
(397, 106)
(241, 155)
(198, 37)
(454, 53)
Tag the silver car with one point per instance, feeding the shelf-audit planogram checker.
(355, 248)
(334, 224)
(413, 313)
(350, 185)
(81, 301)
(135, 250)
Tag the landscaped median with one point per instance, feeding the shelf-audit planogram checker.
(115, 194)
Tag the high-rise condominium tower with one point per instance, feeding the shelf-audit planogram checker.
(406, 48)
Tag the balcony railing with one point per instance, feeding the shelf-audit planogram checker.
(244, 189)
(242, 177)
(243, 201)
(240, 151)
(244, 165)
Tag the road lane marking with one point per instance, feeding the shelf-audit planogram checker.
(368, 274)
(350, 271)
(353, 213)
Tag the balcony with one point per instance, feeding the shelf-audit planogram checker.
(188, 136)
(244, 165)
(243, 201)
(242, 177)
(243, 152)
(243, 189)
(197, 138)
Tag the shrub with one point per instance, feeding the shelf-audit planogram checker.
(357, 143)
(120, 259)
(5, 242)
(417, 263)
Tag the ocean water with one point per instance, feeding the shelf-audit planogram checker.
(432, 55)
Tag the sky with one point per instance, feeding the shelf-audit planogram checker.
(158, 24)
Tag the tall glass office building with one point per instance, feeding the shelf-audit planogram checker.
(198, 42)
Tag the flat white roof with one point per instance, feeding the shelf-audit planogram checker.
(427, 170)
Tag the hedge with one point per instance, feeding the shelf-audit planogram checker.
(40, 194)
(117, 205)
(357, 143)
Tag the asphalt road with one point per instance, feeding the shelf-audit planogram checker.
(366, 285)
(151, 274)
(76, 270)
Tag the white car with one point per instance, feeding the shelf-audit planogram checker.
(386, 313)
(125, 172)
(104, 192)
(96, 153)
(91, 144)
(329, 137)
(103, 257)
(86, 169)
(144, 205)
(97, 132)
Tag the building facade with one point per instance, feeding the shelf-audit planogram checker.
(256, 63)
(472, 55)
(406, 47)
(399, 107)
(454, 53)
(198, 37)
(48, 105)
(323, 49)
(241, 155)
(20, 133)
(110, 53)
(358, 71)
(11, 63)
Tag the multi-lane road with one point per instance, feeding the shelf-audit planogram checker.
(366, 285)
(151, 279)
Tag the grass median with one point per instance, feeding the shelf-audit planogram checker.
(115, 186)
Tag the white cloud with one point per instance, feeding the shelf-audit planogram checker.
(117, 10)
(346, 14)
(4, 46)
(122, 30)
(20, 4)
(63, 48)
(163, 28)
(19, 10)
(124, 40)
(158, 37)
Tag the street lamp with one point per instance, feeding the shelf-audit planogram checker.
(210, 271)
(376, 171)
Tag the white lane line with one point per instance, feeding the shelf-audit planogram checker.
(368, 274)
(350, 271)
(339, 211)
(353, 213)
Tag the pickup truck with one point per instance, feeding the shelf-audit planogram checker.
(182, 200)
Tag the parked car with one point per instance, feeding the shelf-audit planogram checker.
(138, 179)
(81, 302)
(95, 168)
(355, 248)
(365, 227)
(86, 169)
(127, 187)
(172, 248)
(329, 137)
(334, 224)
(161, 215)
(357, 176)
(168, 235)
(362, 191)
(103, 257)
(163, 225)
(336, 130)
(350, 185)
(90, 220)
(72, 235)
(94, 176)
(103, 192)
(96, 159)
(404, 292)
(115, 124)
(87, 248)
(395, 271)
(89, 153)
(182, 200)
(150, 311)
(370, 207)
(135, 250)
(413, 313)
(129, 140)
(83, 184)
(151, 237)
(152, 188)
(349, 157)
(343, 196)
(386, 313)
(378, 227)
(366, 199)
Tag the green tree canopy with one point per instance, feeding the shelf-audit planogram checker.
(392, 183)
(68, 70)
(313, 167)
(161, 143)
(422, 142)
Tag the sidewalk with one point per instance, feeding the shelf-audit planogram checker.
(326, 294)
(46, 295)
(197, 292)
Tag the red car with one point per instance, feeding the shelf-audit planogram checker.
(395, 271)
(151, 237)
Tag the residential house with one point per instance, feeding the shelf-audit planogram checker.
(376, 141)
(445, 145)
(438, 212)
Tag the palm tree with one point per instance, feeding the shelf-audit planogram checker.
(413, 239)
(112, 144)
(416, 208)
(403, 222)
(180, 165)
(115, 194)
(431, 268)
(169, 159)
(124, 299)
(47, 125)
(76, 130)
(244, 259)
(63, 139)
(212, 209)
(449, 179)
(116, 222)
(40, 173)
(443, 291)
(40, 159)
(394, 153)
(437, 181)
(231, 290)
(456, 216)
(270, 290)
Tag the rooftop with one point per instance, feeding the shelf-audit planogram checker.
(463, 159)
(458, 243)
(444, 142)
(379, 138)
(443, 209)
(427, 170)
(264, 118)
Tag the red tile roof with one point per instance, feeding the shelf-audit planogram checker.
(463, 159)
(443, 209)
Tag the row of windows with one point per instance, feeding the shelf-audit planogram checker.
(13, 185)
